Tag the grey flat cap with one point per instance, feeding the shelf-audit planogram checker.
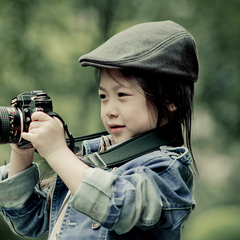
(159, 47)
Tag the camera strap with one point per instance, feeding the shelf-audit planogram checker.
(132, 148)
(125, 151)
(71, 144)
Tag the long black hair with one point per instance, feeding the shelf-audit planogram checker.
(160, 91)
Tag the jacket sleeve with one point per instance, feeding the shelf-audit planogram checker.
(118, 202)
(22, 204)
(153, 190)
(15, 191)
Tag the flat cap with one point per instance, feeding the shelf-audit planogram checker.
(159, 47)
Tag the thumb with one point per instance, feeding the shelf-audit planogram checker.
(26, 136)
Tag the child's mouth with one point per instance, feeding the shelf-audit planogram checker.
(116, 128)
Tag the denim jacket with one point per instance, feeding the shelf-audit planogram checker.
(149, 197)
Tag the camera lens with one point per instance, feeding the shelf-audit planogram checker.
(11, 125)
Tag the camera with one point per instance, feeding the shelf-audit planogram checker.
(16, 119)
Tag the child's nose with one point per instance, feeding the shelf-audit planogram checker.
(111, 110)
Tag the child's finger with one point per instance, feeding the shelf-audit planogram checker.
(26, 136)
(34, 124)
(40, 116)
(58, 121)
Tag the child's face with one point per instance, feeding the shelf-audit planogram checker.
(124, 109)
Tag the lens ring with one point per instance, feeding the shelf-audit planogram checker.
(5, 125)
(21, 122)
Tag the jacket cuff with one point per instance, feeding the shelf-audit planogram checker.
(16, 190)
(93, 195)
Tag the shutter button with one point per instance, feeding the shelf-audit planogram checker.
(95, 225)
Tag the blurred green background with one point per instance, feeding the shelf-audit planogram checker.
(41, 41)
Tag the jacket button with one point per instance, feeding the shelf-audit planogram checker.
(95, 225)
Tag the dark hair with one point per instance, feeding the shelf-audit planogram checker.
(160, 91)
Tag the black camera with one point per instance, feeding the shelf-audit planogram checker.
(16, 119)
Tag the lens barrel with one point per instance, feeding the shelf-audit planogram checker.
(11, 125)
(4, 124)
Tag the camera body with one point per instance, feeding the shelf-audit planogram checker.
(16, 119)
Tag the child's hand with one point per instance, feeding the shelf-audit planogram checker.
(46, 134)
(27, 150)
(24, 155)
(20, 159)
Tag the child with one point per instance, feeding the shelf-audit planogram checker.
(144, 190)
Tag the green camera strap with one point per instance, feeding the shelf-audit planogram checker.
(132, 148)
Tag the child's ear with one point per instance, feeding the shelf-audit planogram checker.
(171, 107)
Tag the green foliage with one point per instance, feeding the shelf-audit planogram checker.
(217, 223)
(40, 43)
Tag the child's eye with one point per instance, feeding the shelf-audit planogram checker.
(102, 96)
(122, 94)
